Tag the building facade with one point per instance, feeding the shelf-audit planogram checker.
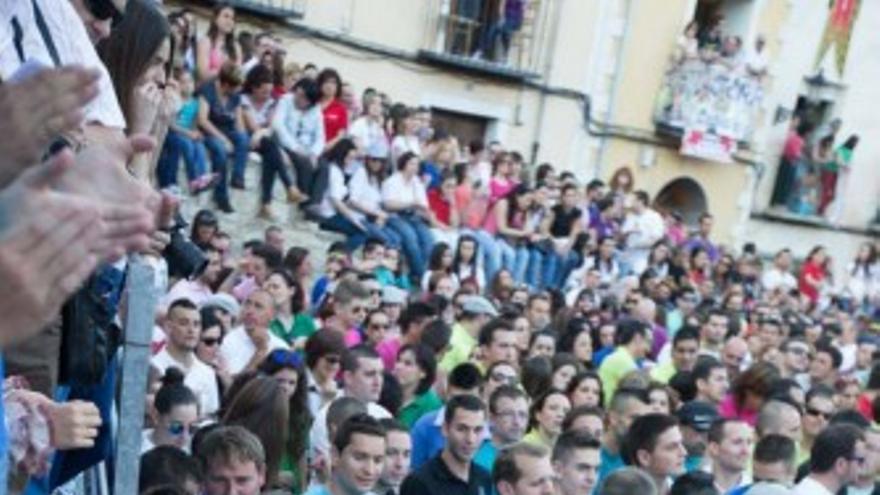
(591, 86)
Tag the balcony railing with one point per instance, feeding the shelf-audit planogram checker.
(466, 35)
(709, 95)
(271, 8)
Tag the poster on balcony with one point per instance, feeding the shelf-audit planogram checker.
(710, 146)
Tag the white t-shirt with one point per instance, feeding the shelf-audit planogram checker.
(73, 44)
(398, 189)
(774, 278)
(336, 189)
(319, 439)
(200, 378)
(401, 144)
(809, 486)
(366, 193)
(238, 348)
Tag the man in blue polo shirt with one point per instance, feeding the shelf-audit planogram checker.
(427, 435)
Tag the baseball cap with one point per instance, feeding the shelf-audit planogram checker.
(698, 415)
(478, 305)
(223, 301)
(393, 295)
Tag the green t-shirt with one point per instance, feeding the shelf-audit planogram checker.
(461, 345)
(421, 405)
(613, 368)
(303, 326)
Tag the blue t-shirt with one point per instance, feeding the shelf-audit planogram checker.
(186, 117)
(427, 439)
(220, 114)
(608, 463)
(486, 454)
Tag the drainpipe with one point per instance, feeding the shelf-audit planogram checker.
(545, 75)
(612, 98)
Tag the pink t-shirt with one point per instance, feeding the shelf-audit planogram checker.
(727, 409)
(498, 188)
(352, 337)
(387, 350)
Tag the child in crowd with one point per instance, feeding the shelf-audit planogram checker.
(184, 139)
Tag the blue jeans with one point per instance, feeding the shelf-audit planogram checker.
(533, 272)
(220, 159)
(176, 146)
(355, 237)
(515, 259)
(415, 239)
(557, 268)
(490, 252)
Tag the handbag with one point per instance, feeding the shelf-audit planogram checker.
(89, 334)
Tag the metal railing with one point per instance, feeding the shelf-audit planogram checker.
(463, 33)
(712, 96)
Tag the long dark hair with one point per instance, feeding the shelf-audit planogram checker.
(213, 30)
(300, 417)
(340, 150)
(298, 299)
(514, 197)
(457, 261)
(130, 49)
(435, 261)
(260, 406)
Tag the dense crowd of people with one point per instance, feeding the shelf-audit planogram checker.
(484, 326)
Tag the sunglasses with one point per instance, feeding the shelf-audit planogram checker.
(332, 359)
(176, 428)
(799, 351)
(501, 377)
(286, 358)
(377, 326)
(815, 412)
(212, 341)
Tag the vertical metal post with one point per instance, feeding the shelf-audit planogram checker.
(140, 307)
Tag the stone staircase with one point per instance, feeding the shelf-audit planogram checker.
(244, 225)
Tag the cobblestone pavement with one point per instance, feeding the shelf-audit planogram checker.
(244, 225)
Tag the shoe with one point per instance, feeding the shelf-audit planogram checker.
(225, 207)
(203, 183)
(266, 213)
(237, 184)
(294, 195)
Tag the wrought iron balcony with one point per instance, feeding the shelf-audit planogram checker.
(466, 35)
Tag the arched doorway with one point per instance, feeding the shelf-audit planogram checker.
(685, 196)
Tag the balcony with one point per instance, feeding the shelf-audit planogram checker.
(709, 95)
(271, 9)
(465, 35)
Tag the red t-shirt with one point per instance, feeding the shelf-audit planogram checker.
(794, 145)
(335, 119)
(815, 271)
(440, 206)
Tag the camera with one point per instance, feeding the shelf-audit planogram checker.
(184, 258)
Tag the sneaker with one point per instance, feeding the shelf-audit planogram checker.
(203, 183)
(295, 196)
(225, 207)
(266, 213)
(237, 184)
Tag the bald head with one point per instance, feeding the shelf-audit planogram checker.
(733, 355)
(779, 418)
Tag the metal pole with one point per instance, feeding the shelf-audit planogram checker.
(140, 306)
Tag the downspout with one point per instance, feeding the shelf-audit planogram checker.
(612, 97)
(545, 75)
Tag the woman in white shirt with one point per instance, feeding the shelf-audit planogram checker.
(403, 194)
(335, 208)
(365, 195)
(406, 138)
(367, 131)
(861, 275)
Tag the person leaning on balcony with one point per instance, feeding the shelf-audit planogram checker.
(792, 154)
(687, 47)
